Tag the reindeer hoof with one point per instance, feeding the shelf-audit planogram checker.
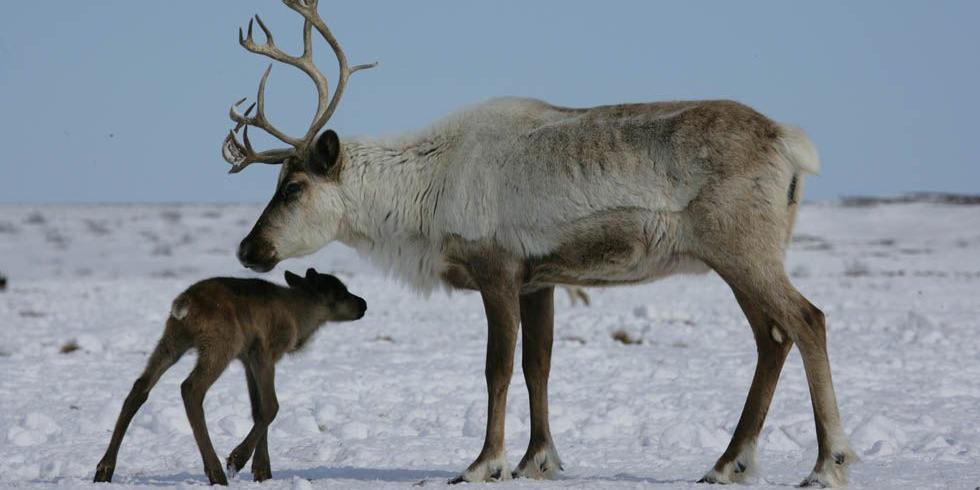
(543, 464)
(713, 478)
(734, 472)
(486, 470)
(831, 472)
(831, 478)
(738, 470)
(812, 482)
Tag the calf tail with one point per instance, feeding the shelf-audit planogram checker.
(180, 307)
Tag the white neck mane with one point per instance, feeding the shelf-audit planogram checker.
(392, 190)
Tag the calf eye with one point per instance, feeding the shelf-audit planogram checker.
(291, 191)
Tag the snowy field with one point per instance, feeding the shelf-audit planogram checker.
(398, 398)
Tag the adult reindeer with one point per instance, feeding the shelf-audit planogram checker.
(514, 196)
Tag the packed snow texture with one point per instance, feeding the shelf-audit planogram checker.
(398, 398)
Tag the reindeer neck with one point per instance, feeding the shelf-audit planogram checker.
(393, 193)
(393, 187)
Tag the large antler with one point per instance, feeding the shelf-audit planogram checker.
(241, 155)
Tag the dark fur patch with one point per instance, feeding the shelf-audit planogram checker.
(458, 277)
(791, 195)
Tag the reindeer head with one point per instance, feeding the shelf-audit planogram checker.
(306, 210)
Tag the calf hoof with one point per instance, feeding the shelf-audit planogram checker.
(261, 474)
(489, 469)
(216, 477)
(236, 461)
(103, 473)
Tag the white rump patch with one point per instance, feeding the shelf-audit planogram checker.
(796, 147)
(180, 308)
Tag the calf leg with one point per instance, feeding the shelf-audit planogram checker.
(167, 352)
(537, 331)
(243, 452)
(260, 375)
(738, 461)
(265, 378)
(501, 304)
(261, 466)
(209, 367)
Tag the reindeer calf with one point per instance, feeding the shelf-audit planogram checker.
(226, 318)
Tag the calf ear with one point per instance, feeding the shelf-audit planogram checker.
(326, 152)
(295, 281)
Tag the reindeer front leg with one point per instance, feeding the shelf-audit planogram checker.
(537, 331)
(501, 302)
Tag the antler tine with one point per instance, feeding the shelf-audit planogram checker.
(364, 66)
(241, 156)
(265, 30)
(260, 120)
(239, 118)
(308, 9)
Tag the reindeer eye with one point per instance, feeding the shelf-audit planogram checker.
(291, 191)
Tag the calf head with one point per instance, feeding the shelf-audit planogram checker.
(335, 303)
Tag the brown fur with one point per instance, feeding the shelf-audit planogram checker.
(251, 320)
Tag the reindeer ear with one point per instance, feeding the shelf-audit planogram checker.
(326, 152)
(295, 281)
(311, 274)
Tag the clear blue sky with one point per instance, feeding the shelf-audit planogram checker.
(107, 101)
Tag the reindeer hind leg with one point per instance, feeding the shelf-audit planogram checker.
(738, 461)
(766, 284)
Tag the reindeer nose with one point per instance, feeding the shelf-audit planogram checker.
(256, 255)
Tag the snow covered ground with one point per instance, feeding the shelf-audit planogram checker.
(398, 398)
